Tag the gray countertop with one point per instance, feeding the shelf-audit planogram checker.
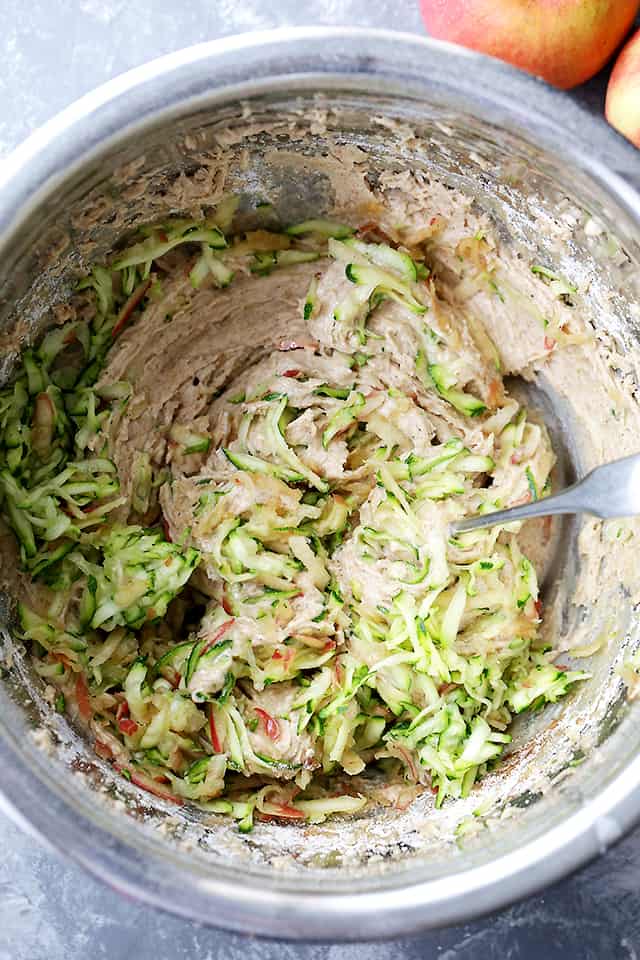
(51, 53)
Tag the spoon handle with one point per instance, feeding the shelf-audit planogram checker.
(612, 490)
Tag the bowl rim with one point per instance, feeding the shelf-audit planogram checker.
(245, 66)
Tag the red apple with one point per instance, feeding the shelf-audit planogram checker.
(622, 108)
(563, 41)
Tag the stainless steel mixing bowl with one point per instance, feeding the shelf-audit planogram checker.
(262, 116)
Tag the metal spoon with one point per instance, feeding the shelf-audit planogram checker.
(612, 490)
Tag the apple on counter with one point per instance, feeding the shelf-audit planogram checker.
(622, 108)
(564, 41)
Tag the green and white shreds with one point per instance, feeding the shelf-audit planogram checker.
(314, 616)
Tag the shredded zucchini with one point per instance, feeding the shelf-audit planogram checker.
(282, 604)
